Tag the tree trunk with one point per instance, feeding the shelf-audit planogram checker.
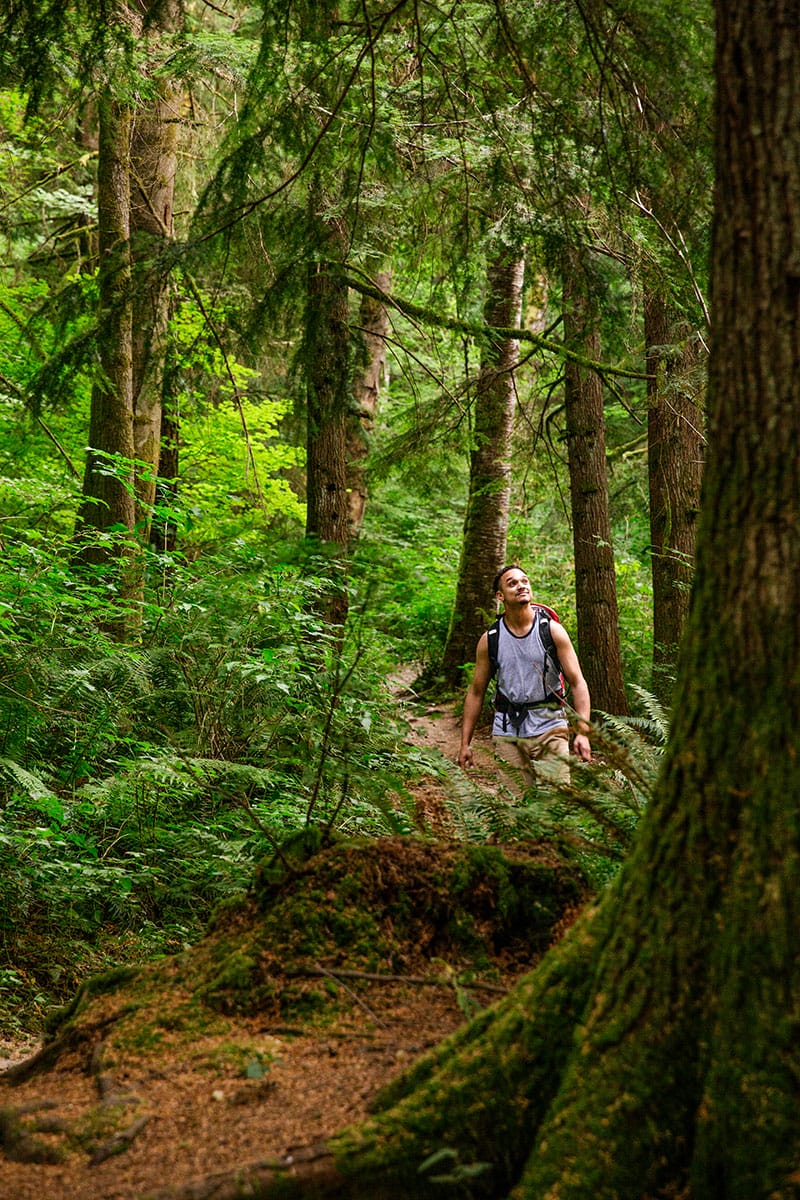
(326, 354)
(374, 321)
(163, 530)
(154, 152)
(675, 458)
(136, 170)
(483, 546)
(327, 395)
(108, 478)
(595, 580)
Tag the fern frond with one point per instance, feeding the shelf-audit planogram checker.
(28, 782)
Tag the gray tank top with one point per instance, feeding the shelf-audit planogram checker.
(520, 676)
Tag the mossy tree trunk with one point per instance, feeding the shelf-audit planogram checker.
(326, 360)
(367, 384)
(328, 400)
(154, 156)
(656, 1050)
(486, 521)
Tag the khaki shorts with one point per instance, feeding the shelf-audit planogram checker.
(544, 758)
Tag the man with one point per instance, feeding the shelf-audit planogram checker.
(530, 722)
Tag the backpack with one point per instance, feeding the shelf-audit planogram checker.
(544, 615)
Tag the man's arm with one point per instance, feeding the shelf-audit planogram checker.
(473, 701)
(581, 701)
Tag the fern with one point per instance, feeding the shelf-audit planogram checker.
(593, 817)
(28, 783)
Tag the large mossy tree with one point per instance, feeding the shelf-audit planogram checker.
(654, 1052)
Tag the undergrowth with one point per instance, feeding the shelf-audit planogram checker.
(592, 819)
(139, 785)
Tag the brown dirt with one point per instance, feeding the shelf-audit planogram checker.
(240, 1092)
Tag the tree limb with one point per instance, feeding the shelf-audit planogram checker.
(476, 329)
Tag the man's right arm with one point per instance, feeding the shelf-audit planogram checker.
(473, 701)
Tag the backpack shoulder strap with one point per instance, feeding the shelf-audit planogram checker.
(545, 615)
(492, 639)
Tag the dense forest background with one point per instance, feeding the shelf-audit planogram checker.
(311, 317)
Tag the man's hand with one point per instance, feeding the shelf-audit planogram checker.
(465, 757)
(582, 747)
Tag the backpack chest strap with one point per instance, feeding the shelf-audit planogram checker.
(515, 713)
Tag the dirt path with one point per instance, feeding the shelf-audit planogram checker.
(438, 727)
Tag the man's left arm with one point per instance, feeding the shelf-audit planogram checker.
(581, 701)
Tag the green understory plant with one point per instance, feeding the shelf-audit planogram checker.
(592, 818)
(139, 784)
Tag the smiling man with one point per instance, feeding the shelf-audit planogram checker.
(529, 652)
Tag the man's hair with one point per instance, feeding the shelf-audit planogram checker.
(501, 573)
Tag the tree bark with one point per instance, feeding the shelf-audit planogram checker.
(108, 477)
(326, 354)
(595, 580)
(374, 321)
(154, 154)
(483, 546)
(327, 393)
(675, 468)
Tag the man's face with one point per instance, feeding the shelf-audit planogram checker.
(514, 587)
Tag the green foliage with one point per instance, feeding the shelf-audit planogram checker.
(139, 785)
(233, 468)
(406, 569)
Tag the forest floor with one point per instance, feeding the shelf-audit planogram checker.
(177, 1120)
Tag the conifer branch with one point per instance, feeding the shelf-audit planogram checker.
(421, 312)
(246, 209)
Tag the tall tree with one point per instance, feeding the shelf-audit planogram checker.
(326, 358)
(483, 547)
(154, 155)
(655, 1050)
(595, 581)
(136, 179)
(675, 470)
(369, 379)
(108, 477)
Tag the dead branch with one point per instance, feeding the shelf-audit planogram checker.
(375, 977)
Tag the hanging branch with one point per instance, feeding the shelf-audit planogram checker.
(420, 312)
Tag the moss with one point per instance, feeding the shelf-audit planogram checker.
(99, 1125)
(241, 1058)
(236, 975)
(393, 905)
(96, 985)
(387, 904)
(19, 1140)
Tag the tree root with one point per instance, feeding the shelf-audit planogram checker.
(312, 1170)
(118, 1142)
(415, 980)
(48, 1055)
(18, 1137)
